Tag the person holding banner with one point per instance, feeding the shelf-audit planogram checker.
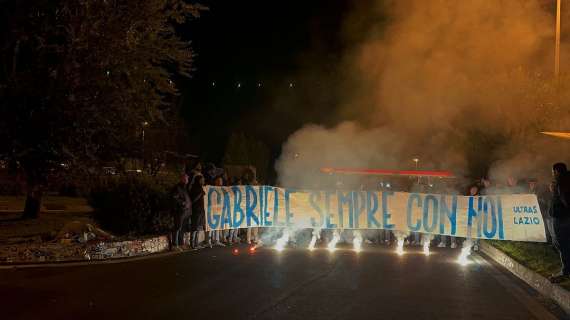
(414, 238)
(182, 212)
(560, 213)
(473, 191)
(214, 235)
(248, 178)
(198, 220)
(233, 233)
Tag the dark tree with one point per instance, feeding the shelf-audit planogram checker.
(242, 149)
(79, 78)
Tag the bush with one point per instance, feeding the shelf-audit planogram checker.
(136, 205)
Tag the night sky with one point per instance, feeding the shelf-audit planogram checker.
(268, 42)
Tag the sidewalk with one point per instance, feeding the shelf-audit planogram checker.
(552, 291)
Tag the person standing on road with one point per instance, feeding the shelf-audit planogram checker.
(534, 188)
(252, 234)
(559, 211)
(182, 212)
(233, 233)
(473, 191)
(415, 237)
(213, 236)
(486, 187)
(198, 221)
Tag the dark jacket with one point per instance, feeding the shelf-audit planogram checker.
(182, 202)
(560, 203)
(198, 210)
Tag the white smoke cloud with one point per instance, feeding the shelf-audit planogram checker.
(463, 85)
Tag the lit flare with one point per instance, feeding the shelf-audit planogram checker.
(426, 241)
(400, 237)
(426, 248)
(332, 245)
(357, 241)
(281, 242)
(316, 233)
(465, 252)
(400, 247)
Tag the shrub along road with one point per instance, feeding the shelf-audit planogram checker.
(294, 284)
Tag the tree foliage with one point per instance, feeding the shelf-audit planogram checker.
(78, 78)
(245, 150)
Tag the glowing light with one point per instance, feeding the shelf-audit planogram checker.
(465, 252)
(426, 248)
(252, 249)
(400, 247)
(426, 241)
(400, 236)
(332, 245)
(357, 241)
(383, 172)
(281, 242)
(258, 244)
(316, 236)
(235, 252)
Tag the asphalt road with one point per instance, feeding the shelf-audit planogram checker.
(293, 284)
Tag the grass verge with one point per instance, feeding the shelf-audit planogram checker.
(541, 258)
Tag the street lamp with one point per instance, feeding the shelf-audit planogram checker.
(417, 160)
(557, 52)
(144, 124)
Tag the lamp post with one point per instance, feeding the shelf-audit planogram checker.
(144, 124)
(417, 160)
(557, 47)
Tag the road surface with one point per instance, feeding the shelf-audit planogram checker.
(294, 284)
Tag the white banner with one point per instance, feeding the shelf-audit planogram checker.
(501, 217)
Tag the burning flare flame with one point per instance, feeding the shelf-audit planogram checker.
(281, 242)
(400, 247)
(332, 245)
(426, 241)
(357, 241)
(426, 248)
(316, 236)
(465, 252)
(400, 236)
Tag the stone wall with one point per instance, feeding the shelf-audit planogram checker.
(93, 250)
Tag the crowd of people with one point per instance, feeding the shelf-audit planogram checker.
(189, 212)
(554, 202)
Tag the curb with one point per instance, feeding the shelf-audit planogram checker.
(43, 254)
(533, 279)
(82, 263)
(54, 252)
